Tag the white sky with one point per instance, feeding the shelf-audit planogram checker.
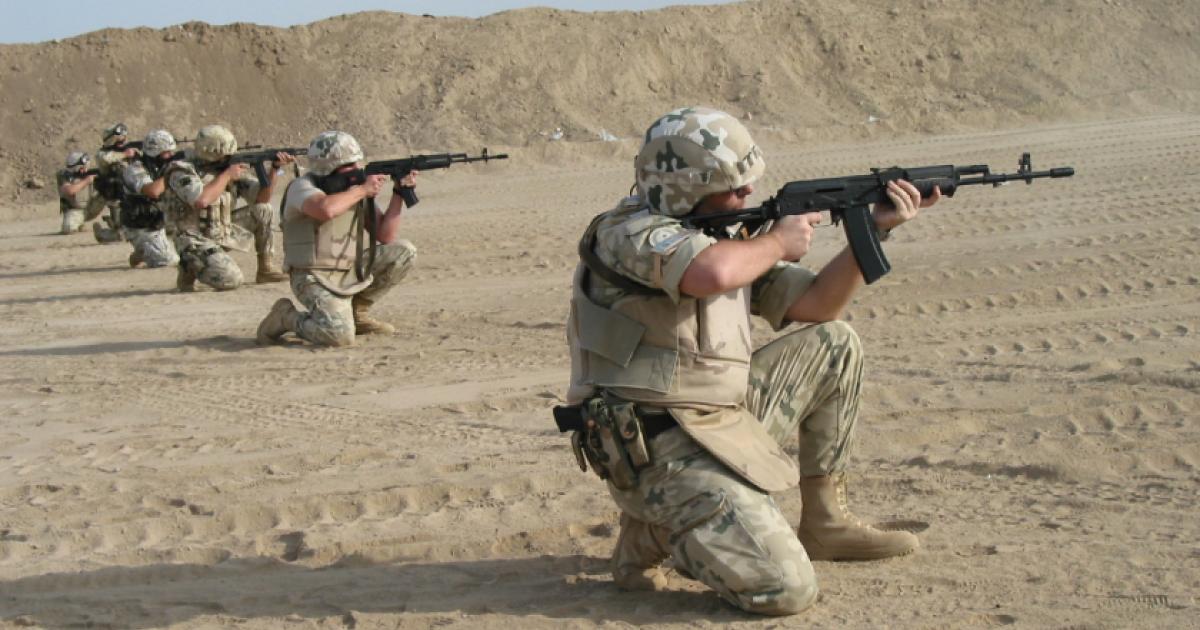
(27, 21)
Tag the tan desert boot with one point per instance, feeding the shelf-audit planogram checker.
(364, 324)
(281, 319)
(135, 259)
(185, 280)
(637, 558)
(267, 272)
(829, 531)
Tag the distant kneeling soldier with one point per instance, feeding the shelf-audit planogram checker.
(74, 191)
(321, 215)
(141, 217)
(201, 192)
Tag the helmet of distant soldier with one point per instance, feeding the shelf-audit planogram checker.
(691, 153)
(214, 143)
(115, 130)
(331, 149)
(75, 159)
(158, 142)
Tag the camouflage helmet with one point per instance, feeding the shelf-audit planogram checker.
(76, 159)
(114, 130)
(157, 142)
(214, 143)
(691, 153)
(331, 149)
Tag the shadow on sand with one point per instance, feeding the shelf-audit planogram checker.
(559, 587)
(219, 343)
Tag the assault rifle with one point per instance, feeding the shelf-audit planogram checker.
(138, 144)
(259, 157)
(397, 169)
(76, 175)
(848, 200)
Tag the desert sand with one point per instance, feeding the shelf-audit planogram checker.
(1033, 388)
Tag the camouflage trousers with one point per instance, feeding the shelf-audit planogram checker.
(330, 317)
(207, 259)
(152, 247)
(717, 526)
(72, 221)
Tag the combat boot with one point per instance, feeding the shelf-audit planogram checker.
(135, 259)
(829, 531)
(281, 319)
(106, 234)
(267, 272)
(185, 280)
(364, 324)
(637, 559)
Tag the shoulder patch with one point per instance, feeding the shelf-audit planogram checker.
(665, 243)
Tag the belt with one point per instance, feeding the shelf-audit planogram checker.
(654, 424)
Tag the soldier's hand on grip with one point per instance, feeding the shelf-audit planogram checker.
(794, 234)
(373, 185)
(236, 170)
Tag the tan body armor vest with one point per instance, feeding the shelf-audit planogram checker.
(327, 245)
(78, 201)
(212, 222)
(692, 358)
(651, 350)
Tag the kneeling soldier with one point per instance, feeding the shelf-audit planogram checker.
(141, 218)
(74, 191)
(201, 191)
(321, 215)
(680, 414)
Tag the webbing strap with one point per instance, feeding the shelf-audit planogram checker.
(593, 263)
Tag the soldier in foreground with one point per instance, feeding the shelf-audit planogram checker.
(199, 199)
(659, 333)
(74, 191)
(141, 218)
(321, 215)
(111, 160)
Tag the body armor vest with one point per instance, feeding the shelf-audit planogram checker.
(212, 222)
(691, 357)
(327, 245)
(647, 348)
(78, 201)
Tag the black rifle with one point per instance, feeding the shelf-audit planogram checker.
(398, 169)
(259, 157)
(138, 144)
(848, 199)
(78, 175)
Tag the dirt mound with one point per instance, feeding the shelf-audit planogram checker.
(520, 79)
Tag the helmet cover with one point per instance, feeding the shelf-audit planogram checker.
(691, 153)
(331, 149)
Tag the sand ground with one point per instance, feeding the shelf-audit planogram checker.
(1033, 390)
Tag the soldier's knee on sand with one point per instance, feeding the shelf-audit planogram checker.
(341, 334)
(221, 278)
(747, 552)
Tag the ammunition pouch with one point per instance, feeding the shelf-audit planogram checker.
(109, 186)
(610, 436)
(138, 211)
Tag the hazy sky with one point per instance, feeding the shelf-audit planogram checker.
(39, 20)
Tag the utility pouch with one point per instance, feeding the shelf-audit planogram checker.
(604, 443)
(626, 418)
(608, 438)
